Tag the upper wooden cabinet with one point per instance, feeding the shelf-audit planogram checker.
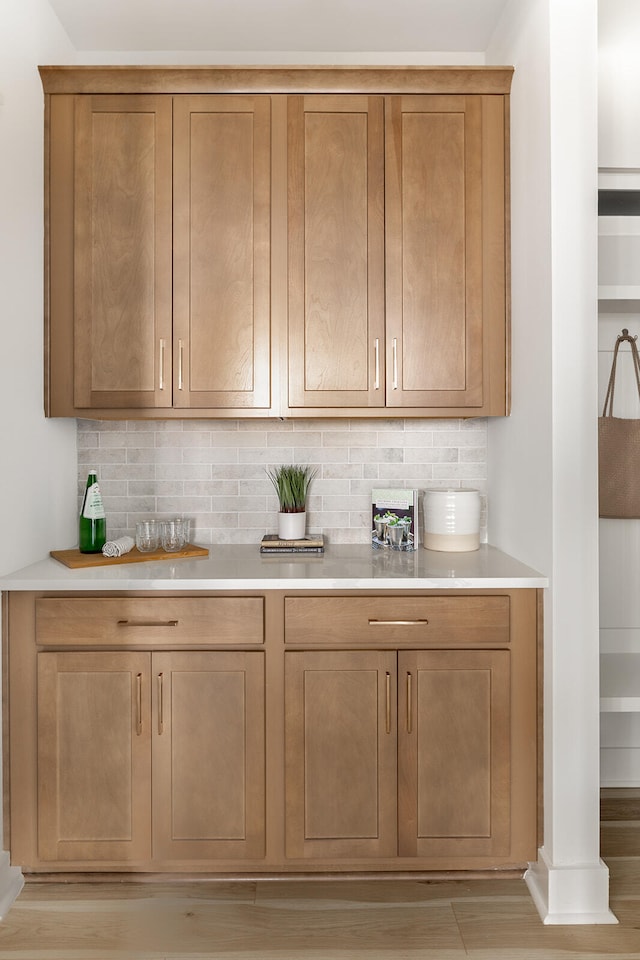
(277, 242)
(221, 252)
(397, 189)
(121, 249)
(160, 254)
(336, 251)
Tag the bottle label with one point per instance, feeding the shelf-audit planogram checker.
(92, 508)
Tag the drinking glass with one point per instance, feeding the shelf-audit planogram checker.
(175, 534)
(147, 536)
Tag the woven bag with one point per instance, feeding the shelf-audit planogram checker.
(619, 449)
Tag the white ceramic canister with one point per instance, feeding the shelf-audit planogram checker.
(452, 520)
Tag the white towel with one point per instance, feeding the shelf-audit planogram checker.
(115, 548)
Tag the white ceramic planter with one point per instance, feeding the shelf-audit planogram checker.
(292, 526)
(452, 520)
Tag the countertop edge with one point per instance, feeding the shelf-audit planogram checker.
(166, 586)
(240, 568)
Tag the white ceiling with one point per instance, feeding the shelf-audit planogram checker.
(280, 25)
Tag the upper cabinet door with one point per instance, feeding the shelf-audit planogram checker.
(445, 249)
(222, 226)
(336, 251)
(122, 251)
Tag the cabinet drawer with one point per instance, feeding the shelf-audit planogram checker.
(122, 621)
(399, 619)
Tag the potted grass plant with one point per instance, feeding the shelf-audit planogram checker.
(291, 483)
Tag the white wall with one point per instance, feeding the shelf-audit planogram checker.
(38, 469)
(38, 475)
(543, 460)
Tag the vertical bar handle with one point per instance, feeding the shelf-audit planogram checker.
(138, 704)
(394, 347)
(388, 702)
(376, 351)
(160, 704)
(409, 703)
(163, 345)
(180, 359)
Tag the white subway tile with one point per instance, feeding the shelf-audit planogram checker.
(185, 440)
(346, 438)
(184, 471)
(214, 470)
(210, 455)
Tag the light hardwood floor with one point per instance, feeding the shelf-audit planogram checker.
(492, 919)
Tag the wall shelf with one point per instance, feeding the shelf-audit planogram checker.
(620, 682)
(619, 292)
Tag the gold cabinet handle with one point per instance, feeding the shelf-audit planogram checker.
(160, 704)
(148, 623)
(388, 702)
(180, 359)
(409, 704)
(394, 345)
(376, 350)
(163, 344)
(138, 704)
(396, 623)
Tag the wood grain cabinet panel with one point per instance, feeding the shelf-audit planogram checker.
(398, 620)
(281, 251)
(341, 754)
(320, 746)
(414, 201)
(208, 756)
(448, 736)
(150, 621)
(122, 251)
(159, 232)
(336, 251)
(150, 756)
(94, 756)
(454, 750)
(221, 251)
(434, 251)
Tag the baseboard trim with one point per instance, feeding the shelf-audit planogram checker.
(11, 883)
(575, 894)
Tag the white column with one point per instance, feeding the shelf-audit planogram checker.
(543, 459)
(570, 883)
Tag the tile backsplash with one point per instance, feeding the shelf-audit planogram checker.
(214, 470)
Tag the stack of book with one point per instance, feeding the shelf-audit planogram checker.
(272, 545)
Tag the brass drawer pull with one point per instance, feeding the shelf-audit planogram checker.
(138, 704)
(376, 346)
(180, 361)
(394, 344)
(148, 623)
(160, 704)
(396, 623)
(388, 702)
(163, 344)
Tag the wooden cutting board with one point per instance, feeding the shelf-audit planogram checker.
(75, 559)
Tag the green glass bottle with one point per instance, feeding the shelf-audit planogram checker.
(92, 527)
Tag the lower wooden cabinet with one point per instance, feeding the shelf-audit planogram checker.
(150, 755)
(282, 732)
(340, 744)
(94, 756)
(398, 754)
(454, 753)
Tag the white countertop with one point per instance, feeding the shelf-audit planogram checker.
(242, 567)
